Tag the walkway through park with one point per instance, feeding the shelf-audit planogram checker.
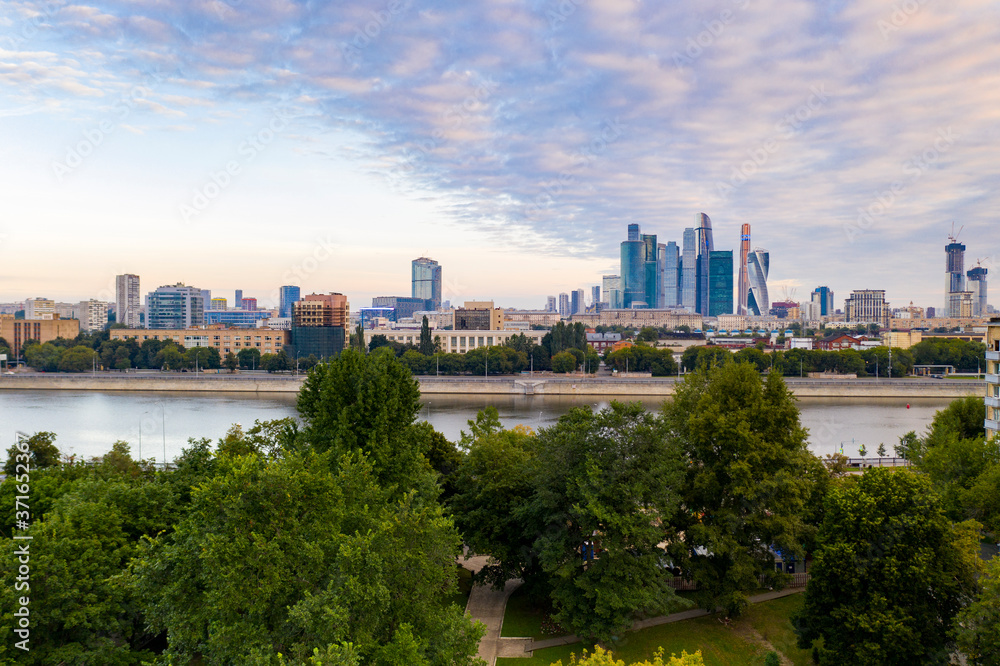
(487, 605)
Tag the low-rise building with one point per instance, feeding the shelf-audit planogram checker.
(602, 341)
(902, 339)
(638, 318)
(226, 340)
(478, 316)
(18, 331)
(457, 341)
(839, 341)
(992, 399)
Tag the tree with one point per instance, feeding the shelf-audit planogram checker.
(285, 555)
(748, 482)
(36, 452)
(358, 338)
(647, 334)
(977, 627)
(564, 362)
(426, 346)
(369, 404)
(378, 341)
(202, 358)
(42, 357)
(278, 362)
(77, 359)
(231, 361)
(249, 358)
(890, 574)
(605, 496)
(602, 658)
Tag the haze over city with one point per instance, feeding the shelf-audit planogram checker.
(253, 144)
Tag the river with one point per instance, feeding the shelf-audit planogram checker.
(88, 422)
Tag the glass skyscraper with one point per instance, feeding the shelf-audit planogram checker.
(823, 296)
(703, 236)
(289, 294)
(175, 306)
(689, 271)
(720, 282)
(633, 273)
(426, 280)
(758, 263)
(671, 275)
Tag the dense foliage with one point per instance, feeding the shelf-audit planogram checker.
(890, 575)
(286, 545)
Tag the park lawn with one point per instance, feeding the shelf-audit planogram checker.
(521, 619)
(461, 596)
(720, 645)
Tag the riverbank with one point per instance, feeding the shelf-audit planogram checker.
(601, 386)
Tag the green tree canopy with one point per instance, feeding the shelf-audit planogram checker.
(890, 574)
(748, 481)
(977, 627)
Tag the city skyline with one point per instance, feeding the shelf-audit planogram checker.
(490, 136)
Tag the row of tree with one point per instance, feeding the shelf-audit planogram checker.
(320, 541)
(796, 362)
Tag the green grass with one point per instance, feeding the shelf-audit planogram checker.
(461, 597)
(720, 645)
(521, 619)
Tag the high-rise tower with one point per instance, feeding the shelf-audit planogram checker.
(977, 285)
(758, 264)
(703, 231)
(689, 271)
(426, 281)
(744, 279)
(954, 279)
(127, 300)
(633, 273)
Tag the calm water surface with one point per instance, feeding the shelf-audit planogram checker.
(88, 422)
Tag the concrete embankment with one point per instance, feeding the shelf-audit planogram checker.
(517, 385)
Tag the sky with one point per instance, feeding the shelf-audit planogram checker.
(255, 143)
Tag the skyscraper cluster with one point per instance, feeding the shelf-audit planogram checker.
(696, 276)
(965, 292)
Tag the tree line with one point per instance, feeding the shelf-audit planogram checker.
(333, 538)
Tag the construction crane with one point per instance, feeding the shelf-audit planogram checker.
(953, 237)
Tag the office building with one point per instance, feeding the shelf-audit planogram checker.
(288, 295)
(705, 244)
(319, 326)
(320, 310)
(479, 316)
(671, 275)
(206, 297)
(40, 308)
(219, 304)
(823, 296)
(976, 284)
(426, 281)
(175, 306)
(743, 289)
(128, 300)
(18, 331)
(403, 306)
(992, 423)
(226, 340)
(612, 290)
(758, 264)
(576, 302)
(689, 270)
(954, 279)
(595, 295)
(961, 304)
(93, 315)
(564, 304)
(550, 304)
(248, 304)
(239, 318)
(867, 306)
(238, 301)
(633, 269)
(720, 283)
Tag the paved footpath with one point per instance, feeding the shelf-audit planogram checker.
(662, 619)
(487, 605)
